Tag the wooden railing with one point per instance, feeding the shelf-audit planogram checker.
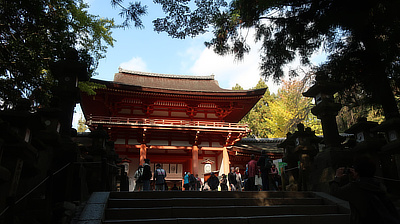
(161, 122)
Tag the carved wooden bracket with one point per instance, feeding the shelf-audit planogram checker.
(223, 112)
(191, 111)
(148, 109)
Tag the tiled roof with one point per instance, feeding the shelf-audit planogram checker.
(171, 82)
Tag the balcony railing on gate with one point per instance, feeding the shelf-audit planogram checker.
(93, 120)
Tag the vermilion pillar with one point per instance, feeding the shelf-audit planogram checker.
(195, 159)
(225, 161)
(143, 152)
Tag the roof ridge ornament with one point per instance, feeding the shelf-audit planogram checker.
(121, 70)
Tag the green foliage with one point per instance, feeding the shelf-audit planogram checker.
(36, 33)
(275, 115)
(90, 87)
(290, 108)
(256, 118)
(355, 106)
(132, 13)
(237, 87)
(182, 21)
(82, 125)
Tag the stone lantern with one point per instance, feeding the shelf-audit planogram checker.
(326, 109)
(99, 138)
(292, 161)
(300, 149)
(391, 129)
(67, 73)
(367, 141)
(333, 154)
(125, 163)
(306, 149)
(390, 153)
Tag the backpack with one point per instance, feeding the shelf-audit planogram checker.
(139, 175)
(267, 164)
(146, 172)
(192, 179)
(160, 175)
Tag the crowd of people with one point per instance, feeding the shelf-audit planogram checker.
(264, 169)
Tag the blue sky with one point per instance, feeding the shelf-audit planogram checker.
(148, 51)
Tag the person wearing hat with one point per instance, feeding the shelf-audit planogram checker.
(146, 175)
(159, 177)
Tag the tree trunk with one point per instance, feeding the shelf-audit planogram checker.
(383, 94)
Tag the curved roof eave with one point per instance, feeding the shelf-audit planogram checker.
(222, 92)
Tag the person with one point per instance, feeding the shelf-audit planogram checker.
(146, 175)
(232, 179)
(366, 195)
(265, 166)
(186, 181)
(245, 178)
(206, 187)
(138, 177)
(238, 179)
(252, 164)
(192, 182)
(223, 183)
(274, 175)
(213, 182)
(159, 177)
(199, 183)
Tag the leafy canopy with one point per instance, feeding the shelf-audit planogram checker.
(290, 108)
(277, 114)
(256, 117)
(34, 34)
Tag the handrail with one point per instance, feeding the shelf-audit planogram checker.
(34, 188)
(145, 121)
(44, 180)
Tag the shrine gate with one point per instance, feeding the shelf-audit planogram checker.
(184, 123)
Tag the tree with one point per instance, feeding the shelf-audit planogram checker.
(361, 38)
(36, 33)
(237, 87)
(290, 108)
(256, 118)
(82, 125)
(274, 115)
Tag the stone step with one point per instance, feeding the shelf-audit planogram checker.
(211, 194)
(281, 219)
(215, 207)
(217, 211)
(173, 202)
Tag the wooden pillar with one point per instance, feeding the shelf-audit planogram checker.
(195, 159)
(143, 153)
(225, 161)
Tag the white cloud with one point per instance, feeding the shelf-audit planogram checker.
(135, 64)
(246, 73)
(229, 71)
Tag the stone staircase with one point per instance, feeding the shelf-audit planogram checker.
(217, 207)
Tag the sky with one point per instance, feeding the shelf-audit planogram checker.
(148, 51)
